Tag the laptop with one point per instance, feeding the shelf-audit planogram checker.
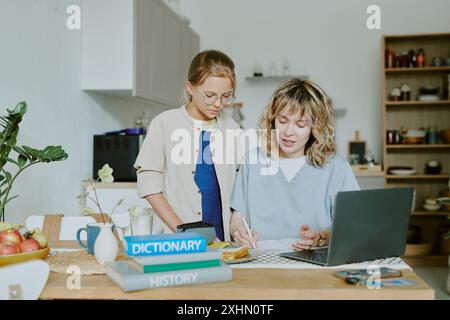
(367, 225)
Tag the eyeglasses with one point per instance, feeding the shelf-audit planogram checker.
(226, 99)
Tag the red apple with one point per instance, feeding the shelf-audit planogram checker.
(11, 235)
(29, 245)
(7, 248)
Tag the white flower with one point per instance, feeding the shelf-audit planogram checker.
(105, 174)
(135, 211)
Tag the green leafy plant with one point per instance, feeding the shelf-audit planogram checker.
(26, 156)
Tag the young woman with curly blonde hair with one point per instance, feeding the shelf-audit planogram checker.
(298, 134)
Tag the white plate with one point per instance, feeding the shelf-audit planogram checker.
(428, 97)
(403, 172)
(252, 255)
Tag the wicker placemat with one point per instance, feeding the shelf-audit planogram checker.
(87, 263)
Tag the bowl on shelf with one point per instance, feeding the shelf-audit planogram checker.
(401, 170)
(413, 140)
(433, 167)
(418, 250)
(429, 89)
(431, 201)
(412, 136)
(431, 207)
(428, 97)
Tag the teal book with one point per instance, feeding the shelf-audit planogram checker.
(162, 244)
(209, 254)
(209, 258)
(129, 279)
(174, 266)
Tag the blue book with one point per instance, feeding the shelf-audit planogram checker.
(130, 279)
(175, 243)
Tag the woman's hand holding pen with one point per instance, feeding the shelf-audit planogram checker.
(242, 237)
(309, 238)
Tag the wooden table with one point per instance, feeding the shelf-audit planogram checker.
(261, 284)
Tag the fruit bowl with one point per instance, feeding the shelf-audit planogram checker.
(24, 256)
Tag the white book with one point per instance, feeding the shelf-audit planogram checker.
(130, 279)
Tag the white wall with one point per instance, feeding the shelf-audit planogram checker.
(325, 39)
(40, 63)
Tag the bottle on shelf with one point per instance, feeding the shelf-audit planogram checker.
(390, 58)
(420, 58)
(258, 70)
(412, 59)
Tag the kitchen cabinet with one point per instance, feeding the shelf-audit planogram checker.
(136, 48)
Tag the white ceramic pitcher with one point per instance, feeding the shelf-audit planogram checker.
(106, 247)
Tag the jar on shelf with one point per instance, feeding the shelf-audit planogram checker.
(405, 94)
(412, 59)
(420, 58)
(398, 60)
(431, 136)
(395, 94)
(404, 62)
(390, 58)
(390, 136)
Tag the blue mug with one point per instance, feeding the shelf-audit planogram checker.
(92, 230)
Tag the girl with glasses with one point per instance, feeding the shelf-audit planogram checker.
(296, 200)
(178, 171)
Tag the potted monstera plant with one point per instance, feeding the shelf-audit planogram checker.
(13, 161)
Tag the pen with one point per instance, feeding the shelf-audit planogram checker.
(249, 232)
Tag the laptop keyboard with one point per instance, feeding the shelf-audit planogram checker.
(313, 256)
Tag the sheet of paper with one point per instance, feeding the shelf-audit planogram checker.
(271, 259)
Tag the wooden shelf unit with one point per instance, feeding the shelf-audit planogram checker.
(418, 176)
(418, 146)
(417, 103)
(436, 213)
(415, 114)
(424, 69)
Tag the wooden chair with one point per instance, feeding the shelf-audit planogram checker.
(61, 231)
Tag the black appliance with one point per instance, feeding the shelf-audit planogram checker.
(120, 152)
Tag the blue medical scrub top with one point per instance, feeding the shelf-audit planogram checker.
(276, 208)
(206, 179)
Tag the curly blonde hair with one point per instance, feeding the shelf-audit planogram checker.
(309, 100)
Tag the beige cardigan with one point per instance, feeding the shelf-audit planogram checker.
(158, 172)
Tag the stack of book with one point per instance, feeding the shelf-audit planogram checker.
(165, 260)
